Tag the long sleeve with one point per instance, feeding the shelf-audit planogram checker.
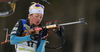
(16, 39)
(16, 34)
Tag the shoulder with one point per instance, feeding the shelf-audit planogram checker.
(21, 20)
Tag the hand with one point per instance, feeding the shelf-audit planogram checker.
(34, 36)
(44, 32)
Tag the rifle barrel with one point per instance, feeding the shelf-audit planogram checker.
(70, 23)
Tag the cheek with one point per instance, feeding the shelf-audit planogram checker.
(41, 20)
(32, 18)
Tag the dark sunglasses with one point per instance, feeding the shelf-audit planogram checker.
(39, 5)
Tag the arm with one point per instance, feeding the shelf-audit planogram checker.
(16, 34)
(16, 39)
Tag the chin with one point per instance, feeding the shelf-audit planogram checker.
(36, 24)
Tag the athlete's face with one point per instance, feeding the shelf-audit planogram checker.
(36, 18)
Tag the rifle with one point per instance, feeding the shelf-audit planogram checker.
(49, 27)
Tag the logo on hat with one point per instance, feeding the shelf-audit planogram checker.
(39, 10)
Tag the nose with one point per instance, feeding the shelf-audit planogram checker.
(39, 18)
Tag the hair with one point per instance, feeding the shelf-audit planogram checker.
(32, 4)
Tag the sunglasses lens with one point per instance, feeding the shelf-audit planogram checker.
(38, 5)
(42, 6)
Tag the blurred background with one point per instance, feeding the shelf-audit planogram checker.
(79, 37)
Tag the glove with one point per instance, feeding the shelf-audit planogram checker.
(44, 32)
(34, 36)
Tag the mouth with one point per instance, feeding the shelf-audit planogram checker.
(37, 22)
